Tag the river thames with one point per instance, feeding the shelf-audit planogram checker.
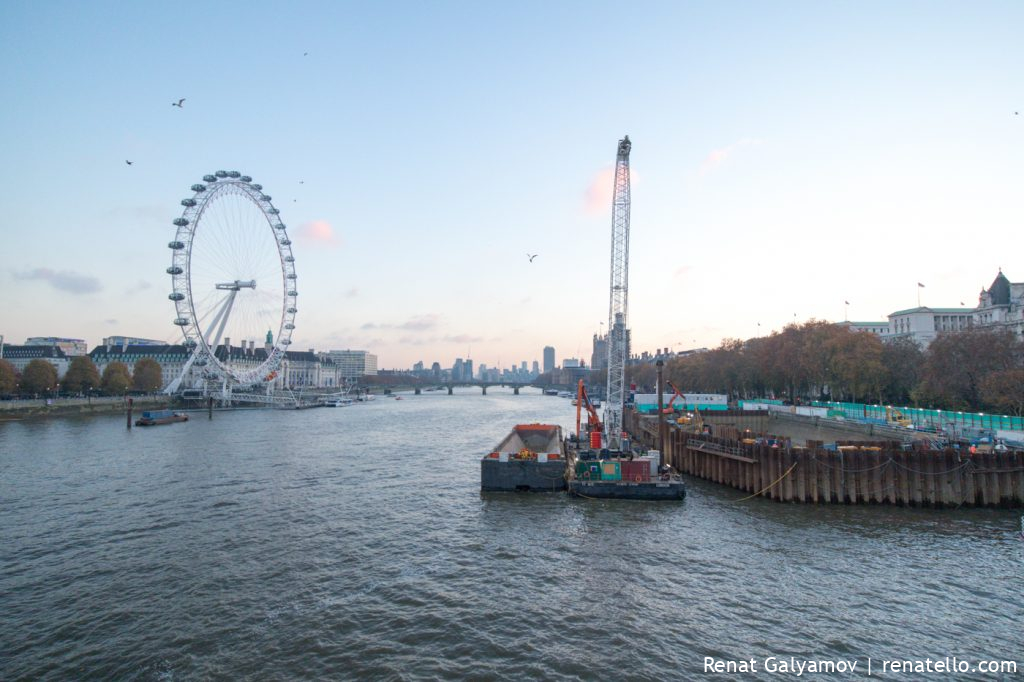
(354, 543)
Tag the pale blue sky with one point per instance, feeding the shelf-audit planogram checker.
(787, 157)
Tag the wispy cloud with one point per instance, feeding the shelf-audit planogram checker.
(317, 232)
(682, 271)
(420, 323)
(141, 285)
(64, 280)
(110, 321)
(463, 338)
(717, 157)
(598, 197)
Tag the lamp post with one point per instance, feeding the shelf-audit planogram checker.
(661, 417)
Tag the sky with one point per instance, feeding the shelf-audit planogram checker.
(787, 157)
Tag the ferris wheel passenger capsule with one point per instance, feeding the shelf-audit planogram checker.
(234, 174)
(181, 321)
(181, 222)
(198, 188)
(176, 296)
(188, 202)
(209, 178)
(245, 178)
(174, 270)
(177, 246)
(221, 174)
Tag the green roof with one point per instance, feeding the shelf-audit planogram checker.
(926, 309)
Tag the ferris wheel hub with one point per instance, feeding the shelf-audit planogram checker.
(237, 285)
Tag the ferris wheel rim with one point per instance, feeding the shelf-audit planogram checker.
(214, 186)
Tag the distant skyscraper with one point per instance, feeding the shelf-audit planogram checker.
(549, 359)
(536, 367)
(457, 370)
(467, 371)
(523, 366)
(435, 369)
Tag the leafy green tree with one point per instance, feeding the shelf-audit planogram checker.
(116, 378)
(82, 375)
(39, 377)
(8, 377)
(147, 376)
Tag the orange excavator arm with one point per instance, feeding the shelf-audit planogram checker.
(583, 400)
(675, 394)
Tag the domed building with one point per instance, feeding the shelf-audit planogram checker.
(1001, 305)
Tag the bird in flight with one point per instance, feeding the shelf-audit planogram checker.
(532, 257)
(305, 54)
(178, 103)
(302, 182)
(128, 162)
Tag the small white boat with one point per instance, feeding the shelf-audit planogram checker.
(336, 401)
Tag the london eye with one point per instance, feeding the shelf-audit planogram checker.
(233, 282)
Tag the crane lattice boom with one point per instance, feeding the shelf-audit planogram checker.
(618, 300)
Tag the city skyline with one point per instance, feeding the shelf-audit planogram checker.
(786, 159)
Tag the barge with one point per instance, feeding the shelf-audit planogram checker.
(532, 458)
(157, 417)
(624, 477)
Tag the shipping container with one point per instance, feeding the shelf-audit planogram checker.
(610, 471)
(637, 471)
(590, 471)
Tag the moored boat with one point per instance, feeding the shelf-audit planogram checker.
(530, 459)
(157, 417)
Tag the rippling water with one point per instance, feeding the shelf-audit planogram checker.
(354, 542)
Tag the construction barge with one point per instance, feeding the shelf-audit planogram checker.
(531, 458)
(535, 458)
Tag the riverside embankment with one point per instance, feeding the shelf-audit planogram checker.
(865, 468)
(66, 407)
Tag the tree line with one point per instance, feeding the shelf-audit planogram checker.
(976, 370)
(40, 378)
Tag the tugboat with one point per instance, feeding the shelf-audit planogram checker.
(157, 417)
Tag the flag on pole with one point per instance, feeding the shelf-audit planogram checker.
(920, 285)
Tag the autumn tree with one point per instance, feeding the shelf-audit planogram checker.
(857, 367)
(82, 375)
(116, 378)
(903, 358)
(956, 363)
(1003, 391)
(147, 375)
(39, 377)
(8, 377)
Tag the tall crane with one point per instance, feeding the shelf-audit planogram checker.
(618, 301)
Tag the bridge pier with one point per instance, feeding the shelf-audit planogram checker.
(449, 389)
(516, 390)
(417, 392)
(484, 389)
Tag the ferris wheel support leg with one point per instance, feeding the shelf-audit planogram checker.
(176, 384)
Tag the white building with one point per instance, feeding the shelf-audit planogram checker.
(353, 364)
(71, 347)
(20, 356)
(924, 324)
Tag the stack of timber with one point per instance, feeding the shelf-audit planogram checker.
(868, 472)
